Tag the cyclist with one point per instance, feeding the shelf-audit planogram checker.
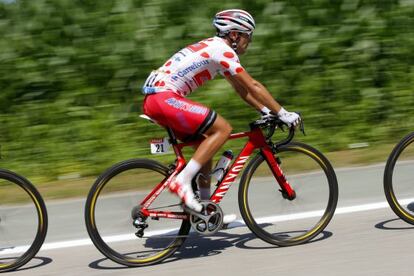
(167, 87)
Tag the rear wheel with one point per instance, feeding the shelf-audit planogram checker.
(114, 196)
(276, 219)
(23, 221)
(399, 179)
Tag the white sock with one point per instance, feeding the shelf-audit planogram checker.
(186, 175)
(204, 193)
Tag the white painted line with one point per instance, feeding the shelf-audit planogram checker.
(127, 237)
(81, 242)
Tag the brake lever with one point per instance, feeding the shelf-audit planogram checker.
(302, 128)
(301, 124)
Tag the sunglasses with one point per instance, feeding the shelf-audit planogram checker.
(248, 35)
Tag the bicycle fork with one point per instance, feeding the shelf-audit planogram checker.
(274, 164)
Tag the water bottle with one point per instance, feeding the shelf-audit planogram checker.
(222, 165)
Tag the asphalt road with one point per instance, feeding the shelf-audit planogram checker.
(364, 238)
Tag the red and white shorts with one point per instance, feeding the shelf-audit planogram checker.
(186, 118)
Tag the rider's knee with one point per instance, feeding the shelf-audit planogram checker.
(224, 128)
(227, 129)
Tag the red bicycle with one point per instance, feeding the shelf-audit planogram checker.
(284, 208)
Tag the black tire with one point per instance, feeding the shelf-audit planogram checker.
(124, 258)
(390, 183)
(255, 219)
(34, 201)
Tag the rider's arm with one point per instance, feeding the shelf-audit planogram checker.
(245, 95)
(253, 92)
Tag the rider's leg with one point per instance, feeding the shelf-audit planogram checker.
(216, 136)
(207, 167)
(204, 182)
(204, 186)
(188, 119)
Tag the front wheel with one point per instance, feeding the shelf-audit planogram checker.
(23, 221)
(267, 211)
(112, 203)
(399, 178)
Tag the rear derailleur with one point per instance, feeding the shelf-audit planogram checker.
(139, 221)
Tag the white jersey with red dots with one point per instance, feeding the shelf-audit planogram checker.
(190, 67)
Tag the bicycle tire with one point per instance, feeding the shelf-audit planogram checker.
(331, 191)
(389, 188)
(93, 230)
(42, 219)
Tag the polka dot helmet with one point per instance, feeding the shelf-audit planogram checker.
(233, 20)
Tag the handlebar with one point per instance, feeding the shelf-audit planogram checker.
(271, 124)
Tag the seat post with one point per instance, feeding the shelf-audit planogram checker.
(173, 139)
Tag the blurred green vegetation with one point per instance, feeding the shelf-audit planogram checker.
(71, 72)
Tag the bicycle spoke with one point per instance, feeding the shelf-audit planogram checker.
(23, 221)
(152, 239)
(399, 179)
(279, 220)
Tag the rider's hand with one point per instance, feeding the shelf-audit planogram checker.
(290, 118)
(267, 114)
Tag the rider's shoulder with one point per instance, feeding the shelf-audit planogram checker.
(220, 47)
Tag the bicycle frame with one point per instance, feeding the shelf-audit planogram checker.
(256, 140)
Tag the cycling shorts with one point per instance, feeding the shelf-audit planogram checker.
(186, 118)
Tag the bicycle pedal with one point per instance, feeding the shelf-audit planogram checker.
(225, 226)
